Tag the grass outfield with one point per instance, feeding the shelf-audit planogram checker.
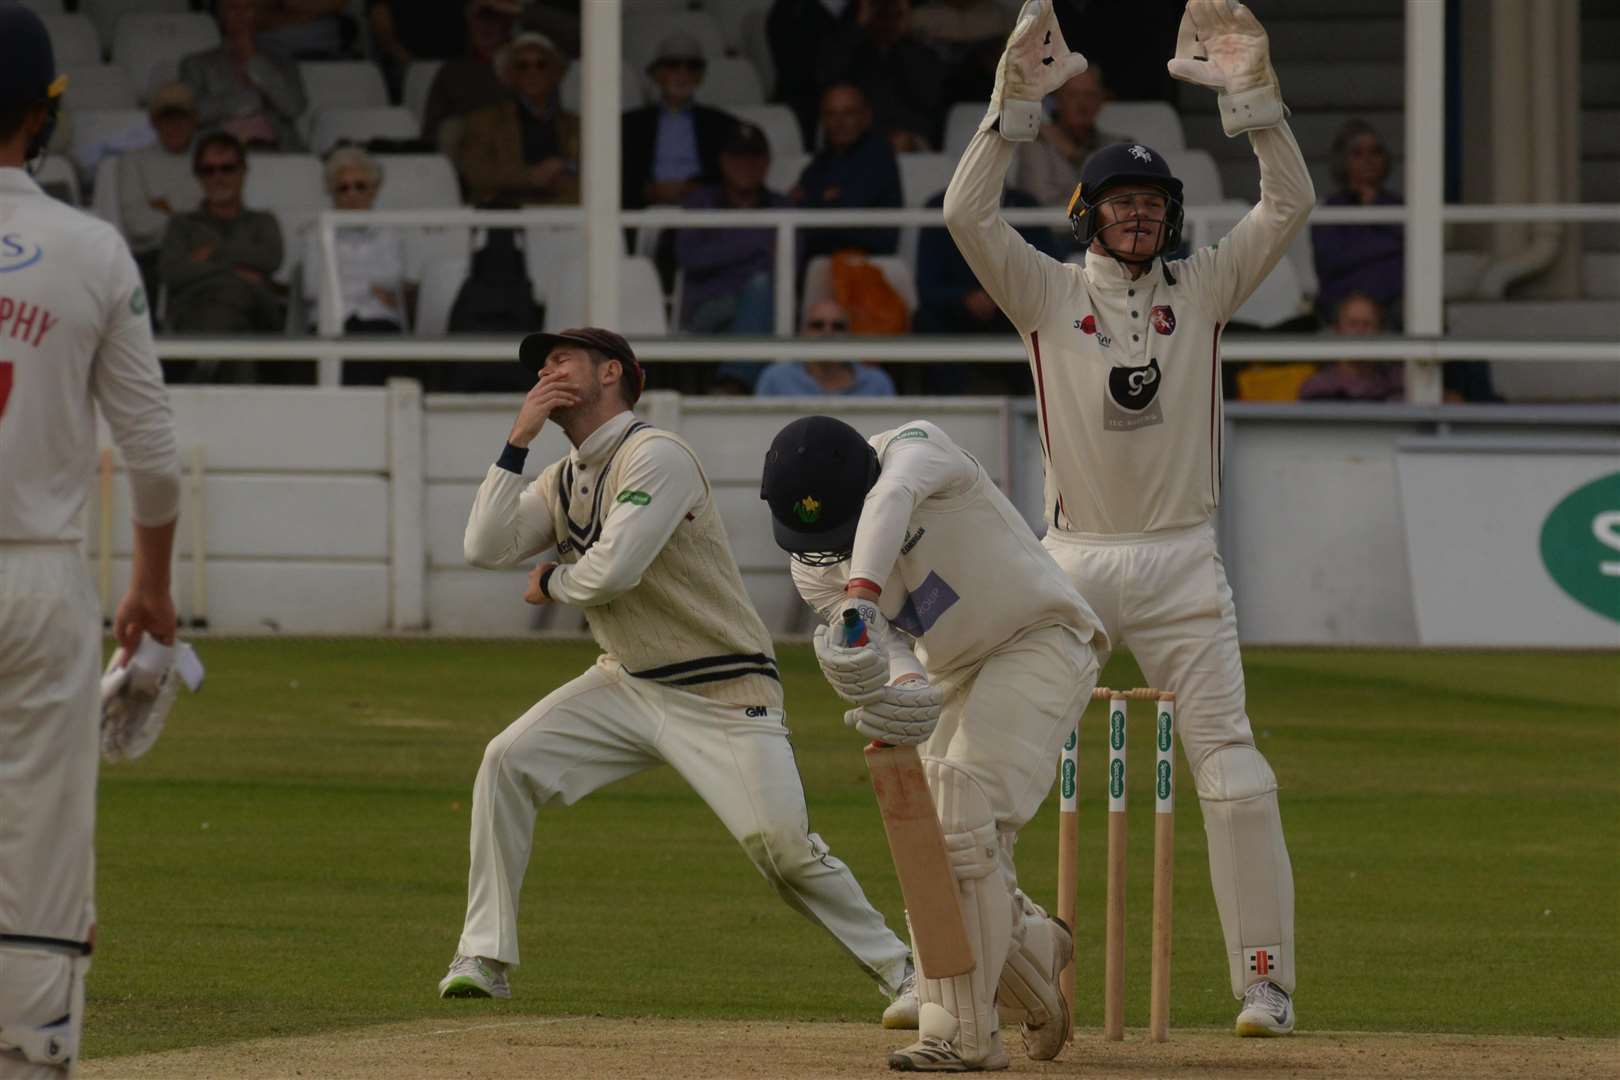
(291, 858)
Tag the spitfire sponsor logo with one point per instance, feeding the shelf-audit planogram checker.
(1116, 779)
(1163, 787)
(1142, 154)
(1116, 729)
(1133, 398)
(1164, 732)
(1163, 318)
(911, 540)
(18, 253)
(1068, 779)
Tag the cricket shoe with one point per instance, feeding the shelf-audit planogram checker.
(901, 1015)
(1045, 1042)
(475, 977)
(1267, 1011)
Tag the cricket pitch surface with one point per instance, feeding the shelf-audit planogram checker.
(659, 1049)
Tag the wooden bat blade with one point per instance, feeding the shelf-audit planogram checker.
(917, 845)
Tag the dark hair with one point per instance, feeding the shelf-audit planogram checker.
(14, 114)
(217, 138)
(1353, 129)
(629, 393)
(1354, 296)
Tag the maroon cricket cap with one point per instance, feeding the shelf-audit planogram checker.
(536, 347)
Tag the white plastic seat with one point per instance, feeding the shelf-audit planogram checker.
(423, 182)
(960, 124)
(104, 192)
(1200, 179)
(818, 281)
(632, 91)
(104, 133)
(732, 17)
(643, 32)
(1278, 299)
(1600, 274)
(292, 187)
(641, 300)
(1152, 123)
(58, 177)
(731, 81)
(419, 76)
(73, 39)
(105, 13)
(98, 86)
(551, 252)
(441, 281)
(785, 171)
(780, 126)
(922, 176)
(146, 45)
(340, 84)
(332, 126)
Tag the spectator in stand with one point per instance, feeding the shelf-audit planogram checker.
(306, 29)
(967, 36)
(470, 82)
(157, 182)
(1048, 167)
(524, 150)
(796, 31)
(217, 259)
(815, 378)
(371, 260)
(403, 31)
(1356, 380)
(903, 79)
(1368, 259)
(856, 169)
(950, 300)
(672, 146)
(254, 95)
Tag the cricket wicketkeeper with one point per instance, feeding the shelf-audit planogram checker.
(1125, 353)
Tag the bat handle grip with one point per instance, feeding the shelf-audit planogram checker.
(854, 629)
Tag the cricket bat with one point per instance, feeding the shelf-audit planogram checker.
(917, 845)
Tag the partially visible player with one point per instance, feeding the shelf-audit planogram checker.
(1126, 358)
(907, 529)
(74, 334)
(687, 675)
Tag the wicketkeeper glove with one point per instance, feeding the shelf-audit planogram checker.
(856, 673)
(137, 693)
(1035, 63)
(1222, 45)
(902, 715)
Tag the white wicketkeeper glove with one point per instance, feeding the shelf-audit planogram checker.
(1036, 62)
(1222, 45)
(900, 715)
(857, 673)
(137, 693)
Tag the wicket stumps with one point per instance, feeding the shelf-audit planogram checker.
(1163, 857)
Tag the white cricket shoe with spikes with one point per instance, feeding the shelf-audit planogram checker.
(901, 1015)
(1267, 1011)
(475, 977)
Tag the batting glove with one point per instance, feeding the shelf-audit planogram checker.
(856, 673)
(1222, 45)
(1035, 63)
(903, 715)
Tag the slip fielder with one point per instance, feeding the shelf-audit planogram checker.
(74, 335)
(1125, 353)
(908, 530)
(687, 674)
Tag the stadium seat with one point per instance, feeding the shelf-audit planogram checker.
(1461, 273)
(1542, 320)
(785, 172)
(641, 300)
(43, 8)
(98, 86)
(550, 252)
(1200, 179)
(757, 47)
(103, 133)
(73, 39)
(731, 81)
(818, 280)
(423, 182)
(290, 186)
(419, 76)
(104, 191)
(150, 47)
(922, 176)
(960, 123)
(732, 17)
(441, 279)
(1154, 123)
(105, 13)
(359, 125)
(778, 123)
(59, 179)
(643, 32)
(632, 90)
(340, 84)
(1278, 299)
(1600, 274)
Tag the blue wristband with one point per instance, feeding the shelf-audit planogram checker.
(512, 458)
(545, 579)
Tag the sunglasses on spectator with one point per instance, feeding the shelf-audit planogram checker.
(219, 170)
(359, 186)
(690, 64)
(530, 65)
(835, 325)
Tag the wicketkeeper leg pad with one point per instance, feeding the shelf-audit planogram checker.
(41, 1003)
(1248, 865)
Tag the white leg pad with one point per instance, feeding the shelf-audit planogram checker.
(1248, 866)
(41, 1008)
(971, 842)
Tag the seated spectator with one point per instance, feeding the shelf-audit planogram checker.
(471, 81)
(306, 29)
(670, 147)
(855, 169)
(796, 31)
(1368, 259)
(1048, 167)
(1356, 380)
(524, 150)
(239, 88)
(727, 287)
(950, 300)
(814, 378)
(903, 79)
(217, 259)
(157, 182)
(968, 37)
(402, 32)
(371, 261)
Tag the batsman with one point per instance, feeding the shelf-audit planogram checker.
(907, 531)
(1125, 353)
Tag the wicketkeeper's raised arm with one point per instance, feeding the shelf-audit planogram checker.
(1222, 46)
(1035, 63)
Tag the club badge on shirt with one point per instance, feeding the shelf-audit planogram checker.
(1163, 318)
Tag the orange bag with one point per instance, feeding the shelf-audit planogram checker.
(861, 289)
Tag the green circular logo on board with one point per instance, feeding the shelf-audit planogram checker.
(1116, 778)
(1164, 732)
(1164, 779)
(1580, 545)
(1072, 741)
(1067, 784)
(1116, 729)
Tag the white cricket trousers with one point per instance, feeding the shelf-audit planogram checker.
(50, 662)
(606, 725)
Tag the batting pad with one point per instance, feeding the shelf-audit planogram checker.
(41, 1006)
(1248, 866)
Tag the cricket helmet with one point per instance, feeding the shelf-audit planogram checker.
(817, 473)
(1125, 163)
(28, 70)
